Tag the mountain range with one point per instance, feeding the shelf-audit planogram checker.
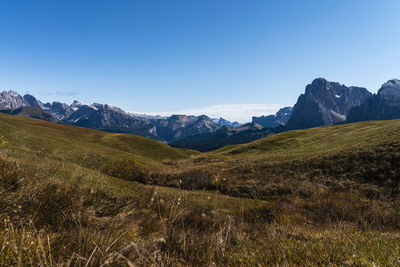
(323, 103)
(109, 118)
(227, 135)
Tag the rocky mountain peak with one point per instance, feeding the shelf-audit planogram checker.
(385, 105)
(11, 100)
(325, 103)
(319, 83)
(32, 101)
(390, 92)
(392, 83)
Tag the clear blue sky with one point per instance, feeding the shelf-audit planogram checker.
(171, 56)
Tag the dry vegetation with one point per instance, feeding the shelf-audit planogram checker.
(294, 199)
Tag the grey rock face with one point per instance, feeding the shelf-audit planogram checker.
(31, 101)
(11, 100)
(179, 126)
(59, 110)
(279, 119)
(108, 118)
(325, 103)
(390, 93)
(385, 105)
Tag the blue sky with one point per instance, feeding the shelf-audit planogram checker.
(230, 58)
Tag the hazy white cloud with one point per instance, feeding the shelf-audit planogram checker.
(233, 112)
(60, 93)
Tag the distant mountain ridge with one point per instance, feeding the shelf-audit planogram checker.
(325, 103)
(108, 118)
(226, 135)
(179, 126)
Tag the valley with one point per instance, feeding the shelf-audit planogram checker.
(331, 193)
(199, 133)
(323, 103)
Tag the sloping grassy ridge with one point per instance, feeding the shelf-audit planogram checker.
(366, 153)
(76, 143)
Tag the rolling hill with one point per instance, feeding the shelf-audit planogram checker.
(72, 143)
(362, 153)
(322, 196)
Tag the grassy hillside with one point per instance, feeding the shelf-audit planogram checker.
(81, 145)
(322, 140)
(365, 152)
(324, 196)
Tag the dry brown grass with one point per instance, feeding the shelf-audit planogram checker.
(125, 168)
(256, 206)
(48, 222)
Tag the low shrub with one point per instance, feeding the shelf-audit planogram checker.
(127, 169)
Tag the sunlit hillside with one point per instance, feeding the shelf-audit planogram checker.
(75, 196)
